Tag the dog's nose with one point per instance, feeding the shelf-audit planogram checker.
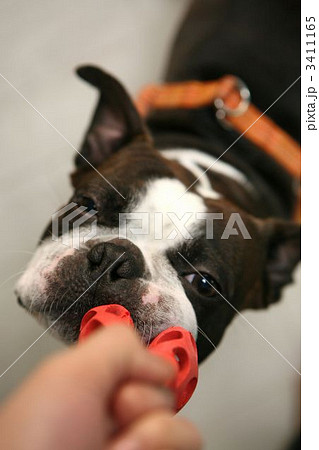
(119, 257)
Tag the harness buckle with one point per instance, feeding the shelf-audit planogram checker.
(222, 111)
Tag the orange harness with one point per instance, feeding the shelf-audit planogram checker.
(231, 98)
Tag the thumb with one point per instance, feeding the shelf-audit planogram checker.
(110, 356)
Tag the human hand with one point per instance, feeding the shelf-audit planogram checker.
(106, 393)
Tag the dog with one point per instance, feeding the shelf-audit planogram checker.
(173, 166)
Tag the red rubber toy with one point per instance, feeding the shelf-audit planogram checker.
(175, 344)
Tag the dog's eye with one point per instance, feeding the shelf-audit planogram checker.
(88, 203)
(205, 285)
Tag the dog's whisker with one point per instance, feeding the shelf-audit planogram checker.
(47, 308)
(136, 327)
(52, 303)
(27, 252)
(150, 335)
(143, 330)
(11, 276)
(63, 295)
(53, 192)
(202, 332)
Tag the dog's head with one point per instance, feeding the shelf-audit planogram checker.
(161, 265)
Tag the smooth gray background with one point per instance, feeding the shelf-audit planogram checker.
(247, 396)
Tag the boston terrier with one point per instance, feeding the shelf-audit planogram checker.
(190, 219)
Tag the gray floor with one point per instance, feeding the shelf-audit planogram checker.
(248, 395)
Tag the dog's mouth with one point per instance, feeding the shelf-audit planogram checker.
(64, 321)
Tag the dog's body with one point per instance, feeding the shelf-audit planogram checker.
(260, 43)
(159, 280)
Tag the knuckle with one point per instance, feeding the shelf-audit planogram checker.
(124, 332)
(128, 395)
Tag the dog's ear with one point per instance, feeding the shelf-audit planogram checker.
(283, 254)
(115, 122)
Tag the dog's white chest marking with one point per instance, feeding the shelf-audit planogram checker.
(199, 163)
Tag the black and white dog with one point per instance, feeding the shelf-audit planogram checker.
(148, 166)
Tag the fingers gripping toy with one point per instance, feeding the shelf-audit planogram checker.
(174, 344)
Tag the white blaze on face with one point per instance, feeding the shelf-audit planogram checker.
(167, 196)
(169, 213)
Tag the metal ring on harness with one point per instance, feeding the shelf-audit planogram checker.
(241, 108)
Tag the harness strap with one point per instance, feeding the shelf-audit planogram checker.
(231, 99)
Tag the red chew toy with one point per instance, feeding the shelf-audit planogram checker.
(174, 344)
